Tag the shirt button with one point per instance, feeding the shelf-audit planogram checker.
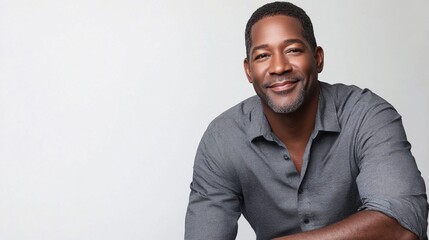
(306, 221)
(286, 157)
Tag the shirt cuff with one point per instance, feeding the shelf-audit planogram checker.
(410, 211)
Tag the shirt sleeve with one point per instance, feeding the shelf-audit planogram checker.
(214, 202)
(389, 180)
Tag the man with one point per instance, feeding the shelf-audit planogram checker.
(304, 159)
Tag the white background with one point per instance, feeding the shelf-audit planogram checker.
(103, 103)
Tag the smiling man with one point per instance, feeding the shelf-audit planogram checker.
(304, 159)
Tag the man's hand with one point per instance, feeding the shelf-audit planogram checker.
(360, 226)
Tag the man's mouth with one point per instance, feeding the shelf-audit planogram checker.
(282, 86)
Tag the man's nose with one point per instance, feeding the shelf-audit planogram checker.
(280, 64)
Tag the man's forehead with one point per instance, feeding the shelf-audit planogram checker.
(272, 26)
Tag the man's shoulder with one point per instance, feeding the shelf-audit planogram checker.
(354, 106)
(341, 90)
(351, 96)
(235, 117)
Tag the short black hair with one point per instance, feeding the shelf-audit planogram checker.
(281, 8)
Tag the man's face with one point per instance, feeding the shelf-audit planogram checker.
(281, 65)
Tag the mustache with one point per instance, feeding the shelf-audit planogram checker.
(281, 78)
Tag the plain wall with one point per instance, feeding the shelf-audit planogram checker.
(103, 103)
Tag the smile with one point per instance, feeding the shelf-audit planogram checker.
(282, 86)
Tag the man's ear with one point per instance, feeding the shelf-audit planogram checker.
(319, 55)
(246, 65)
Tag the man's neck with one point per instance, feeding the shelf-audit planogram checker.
(294, 129)
(296, 125)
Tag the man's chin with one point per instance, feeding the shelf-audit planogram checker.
(286, 105)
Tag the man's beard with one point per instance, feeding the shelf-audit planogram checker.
(287, 107)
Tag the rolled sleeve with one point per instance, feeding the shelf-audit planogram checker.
(214, 202)
(407, 210)
(389, 180)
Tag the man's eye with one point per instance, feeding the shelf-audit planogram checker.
(293, 50)
(261, 56)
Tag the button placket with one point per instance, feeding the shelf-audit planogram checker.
(303, 209)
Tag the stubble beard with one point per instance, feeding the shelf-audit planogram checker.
(287, 107)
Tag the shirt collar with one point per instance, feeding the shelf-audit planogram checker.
(326, 117)
(259, 126)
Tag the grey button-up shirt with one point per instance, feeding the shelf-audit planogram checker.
(357, 158)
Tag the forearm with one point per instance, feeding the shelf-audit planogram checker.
(360, 226)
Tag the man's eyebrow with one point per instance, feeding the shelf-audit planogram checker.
(287, 42)
(294, 40)
(259, 47)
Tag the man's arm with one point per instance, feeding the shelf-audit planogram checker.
(361, 225)
(214, 202)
